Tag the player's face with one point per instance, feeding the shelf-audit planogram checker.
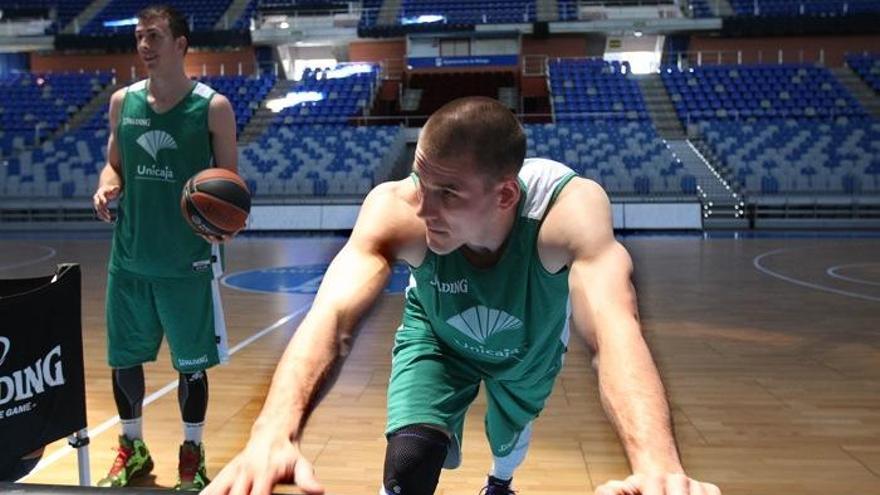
(455, 202)
(156, 45)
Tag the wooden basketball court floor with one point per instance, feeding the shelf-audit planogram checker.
(769, 348)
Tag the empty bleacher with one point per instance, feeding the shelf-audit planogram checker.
(731, 92)
(331, 95)
(33, 106)
(246, 93)
(469, 12)
(320, 160)
(817, 8)
(804, 157)
(626, 159)
(594, 89)
(202, 14)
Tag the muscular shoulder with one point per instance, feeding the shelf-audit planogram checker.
(578, 223)
(388, 221)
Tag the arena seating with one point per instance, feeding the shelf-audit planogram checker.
(627, 159)
(246, 93)
(33, 106)
(799, 156)
(65, 10)
(469, 12)
(320, 160)
(867, 66)
(819, 8)
(724, 92)
(62, 168)
(594, 89)
(203, 14)
(288, 161)
(339, 93)
(700, 9)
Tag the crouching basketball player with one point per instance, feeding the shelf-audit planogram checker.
(504, 253)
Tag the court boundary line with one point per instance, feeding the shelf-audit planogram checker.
(52, 253)
(832, 272)
(756, 262)
(172, 385)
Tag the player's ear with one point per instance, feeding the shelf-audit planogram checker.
(508, 193)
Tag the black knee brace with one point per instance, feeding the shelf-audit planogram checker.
(192, 396)
(128, 391)
(413, 460)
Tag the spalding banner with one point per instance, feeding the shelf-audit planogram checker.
(42, 386)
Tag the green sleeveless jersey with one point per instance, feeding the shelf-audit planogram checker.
(159, 153)
(509, 320)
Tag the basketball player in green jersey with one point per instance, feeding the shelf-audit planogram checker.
(162, 277)
(504, 255)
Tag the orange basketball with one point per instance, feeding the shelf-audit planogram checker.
(215, 201)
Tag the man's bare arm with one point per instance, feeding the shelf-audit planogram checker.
(605, 313)
(221, 124)
(110, 180)
(354, 280)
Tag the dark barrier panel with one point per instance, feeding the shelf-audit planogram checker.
(42, 385)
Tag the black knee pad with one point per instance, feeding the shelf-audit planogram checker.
(413, 460)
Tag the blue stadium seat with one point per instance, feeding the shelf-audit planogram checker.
(596, 90)
(625, 158)
(758, 92)
(799, 156)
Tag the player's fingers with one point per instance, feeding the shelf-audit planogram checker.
(710, 489)
(241, 485)
(649, 485)
(677, 484)
(616, 487)
(305, 479)
(262, 486)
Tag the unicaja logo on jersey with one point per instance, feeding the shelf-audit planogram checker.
(480, 322)
(155, 141)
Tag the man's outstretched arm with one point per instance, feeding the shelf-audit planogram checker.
(605, 313)
(353, 281)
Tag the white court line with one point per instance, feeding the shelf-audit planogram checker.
(51, 253)
(172, 385)
(832, 272)
(757, 263)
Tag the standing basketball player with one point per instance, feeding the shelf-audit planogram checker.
(503, 255)
(162, 277)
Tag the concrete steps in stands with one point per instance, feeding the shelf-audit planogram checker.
(85, 16)
(263, 116)
(546, 10)
(723, 206)
(388, 12)
(859, 89)
(97, 104)
(721, 8)
(660, 107)
(233, 12)
(509, 97)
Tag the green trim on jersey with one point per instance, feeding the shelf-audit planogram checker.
(159, 153)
